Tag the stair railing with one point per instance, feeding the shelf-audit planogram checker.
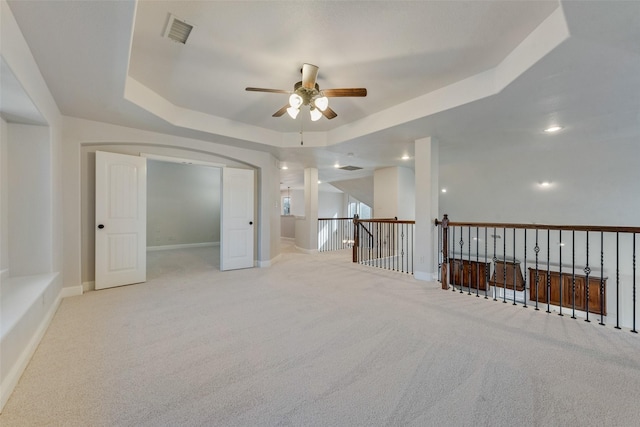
(581, 270)
(384, 243)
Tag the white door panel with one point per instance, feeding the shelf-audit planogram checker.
(121, 216)
(237, 219)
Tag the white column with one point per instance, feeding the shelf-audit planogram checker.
(426, 173)
(307, 228)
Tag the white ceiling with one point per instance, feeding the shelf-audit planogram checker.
(467, 72)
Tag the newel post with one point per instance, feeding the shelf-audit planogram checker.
(356, 238)
(445, 251)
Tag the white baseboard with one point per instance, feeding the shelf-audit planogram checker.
(71, 291)
(12, 378)
(306, 251)
(425, 276)
(289, 239)
(263, 264)
(182, 246)
(88, 286)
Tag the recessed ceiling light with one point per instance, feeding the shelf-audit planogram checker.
(553, 129)
(444, 190)
(285, 167)
(337, 165)
(319, 182)
(406, 157)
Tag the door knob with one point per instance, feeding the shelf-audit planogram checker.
(250, 222)
(101, 226)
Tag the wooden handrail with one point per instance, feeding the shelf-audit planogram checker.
(394, 221)
(334, 219)
(603, 228)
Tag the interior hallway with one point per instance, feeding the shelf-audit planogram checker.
(317, 340)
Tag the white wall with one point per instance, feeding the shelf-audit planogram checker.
(385, 193)
(183, 204)
(330, 205)
(593, 185)
(30, 200)
(288, 226)
(394, 193)
(4, 197)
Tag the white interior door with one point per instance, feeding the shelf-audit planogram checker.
(121, 219)
(236, 220)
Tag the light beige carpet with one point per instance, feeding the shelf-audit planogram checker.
(317, 341)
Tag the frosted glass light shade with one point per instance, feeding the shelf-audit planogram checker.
(315, 114)
(293, 112)
(321, 103)
(295, 100)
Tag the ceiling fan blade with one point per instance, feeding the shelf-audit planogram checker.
(329, 113)
(354, 91)
(259, 89)
(281, 111)
(309, 75)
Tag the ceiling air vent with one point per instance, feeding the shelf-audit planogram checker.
(350, 168)
(177, 30)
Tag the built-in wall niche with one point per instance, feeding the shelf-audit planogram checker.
(28, 207)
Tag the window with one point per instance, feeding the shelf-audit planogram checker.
(360, 209)
(365, 211)
(286, 206)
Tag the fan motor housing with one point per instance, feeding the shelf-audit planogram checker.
(306, 94)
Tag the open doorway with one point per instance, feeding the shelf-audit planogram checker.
(183, 217)
(121, 252)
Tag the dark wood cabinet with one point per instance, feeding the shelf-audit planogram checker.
(596, 301)
(507, 274)
(467, 273)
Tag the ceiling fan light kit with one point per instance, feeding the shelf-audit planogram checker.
(307, 92)
(295, 100)
(317, 105)
(321, 103)
(315, 114)
(293, 112)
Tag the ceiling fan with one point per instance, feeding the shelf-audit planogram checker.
(307, 92)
